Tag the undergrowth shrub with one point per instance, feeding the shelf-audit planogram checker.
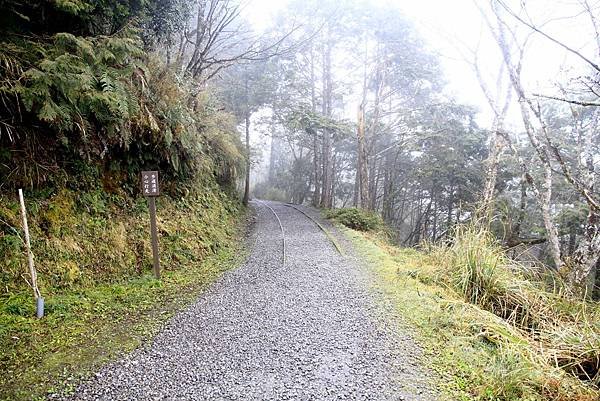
(357, 219)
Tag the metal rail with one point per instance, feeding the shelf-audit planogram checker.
(327, 233)
(280, 226)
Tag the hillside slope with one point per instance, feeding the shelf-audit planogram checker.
(93, 257)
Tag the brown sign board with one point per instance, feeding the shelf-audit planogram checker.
(150, 183)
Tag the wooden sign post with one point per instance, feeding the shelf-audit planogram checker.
(151, 191)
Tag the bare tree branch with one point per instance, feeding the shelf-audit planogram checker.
(547, 36)
(219, 41)
(570, 101)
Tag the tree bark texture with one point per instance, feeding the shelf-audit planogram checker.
(247, 185)
(362, 168)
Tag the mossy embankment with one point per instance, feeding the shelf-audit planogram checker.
(491, 331)
(93, 257)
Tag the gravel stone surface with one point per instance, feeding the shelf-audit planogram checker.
(307, 330)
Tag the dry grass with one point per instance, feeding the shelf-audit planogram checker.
(491, 331)
(564, 332)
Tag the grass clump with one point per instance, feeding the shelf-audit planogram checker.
(490, 330)
(476, 267)
(566, 331)
(357, 219)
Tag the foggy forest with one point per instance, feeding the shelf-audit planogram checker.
(454, 147)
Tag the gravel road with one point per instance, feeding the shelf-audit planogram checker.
(307, 330)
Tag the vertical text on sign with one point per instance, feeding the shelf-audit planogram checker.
(150, 183)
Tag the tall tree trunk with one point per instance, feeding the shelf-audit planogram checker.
(544, 196)
(450, 207)
(388, 188)
(496, 139)
(200, 31)
(491, 174)
(247, 186)
(313, 102)
(362, 168)
(582, 274)
(316, 172)
(374, 131)
(333, 180)
(356, 188)
(551, 230)
(586, 257)
(372, 179)
(326, 110)
(313, 91)
(272, 159)
(326, 174)
(522, 208)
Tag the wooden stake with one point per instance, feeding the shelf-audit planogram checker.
(32, 272)
(154, 234)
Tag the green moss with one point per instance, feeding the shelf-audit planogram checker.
(94, 268)
(58, 216)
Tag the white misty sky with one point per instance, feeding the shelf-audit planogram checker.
(447, 25)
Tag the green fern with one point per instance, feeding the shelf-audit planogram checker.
(100, 97)
(74, 7)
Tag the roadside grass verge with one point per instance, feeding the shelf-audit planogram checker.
(95, 275)
(489, 332)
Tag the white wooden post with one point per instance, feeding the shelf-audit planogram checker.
(32, 272)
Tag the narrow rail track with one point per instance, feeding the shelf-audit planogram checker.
(316, 222)
(280, 226)
(325, 231)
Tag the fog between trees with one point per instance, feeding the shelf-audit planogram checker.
(355, 114)
(348, 98)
